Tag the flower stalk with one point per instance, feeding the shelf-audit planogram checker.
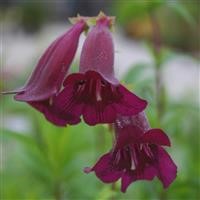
(159, 86)
(157, 48)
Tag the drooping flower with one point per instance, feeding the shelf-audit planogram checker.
(47, 78)
(94, 92)
(52, 67)
(137, 155)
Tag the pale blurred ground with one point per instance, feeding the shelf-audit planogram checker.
(20, 51)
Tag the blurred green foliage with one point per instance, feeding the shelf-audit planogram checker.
(33, 15)
(140, 9)
(178, 20)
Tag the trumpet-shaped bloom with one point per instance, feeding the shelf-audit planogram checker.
(137, 155)
(94, 92)
(47, 78)
(52, 67)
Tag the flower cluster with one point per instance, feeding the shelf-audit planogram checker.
(95, 94)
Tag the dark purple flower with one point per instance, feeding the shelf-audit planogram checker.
(94, 92)
(47, 78)
(137, 155)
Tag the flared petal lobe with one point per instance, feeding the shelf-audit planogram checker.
(155, 136)
(52, 67)
(98, 51)
(129, 104)
(129, 177)
(95, 99)
(166, 168)
(104, 170)
(52, 115)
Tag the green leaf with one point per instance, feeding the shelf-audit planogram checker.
(178, 8)
(135, 73)
(135, 9)
(33, 156)
(106, 193)
(24, 139)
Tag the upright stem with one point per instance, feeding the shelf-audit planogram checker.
(159, 86)
(158, 75)
(158, 83)
(111, 130)
(100, 139)
(57, 191)
(156, 34)
(113, 188)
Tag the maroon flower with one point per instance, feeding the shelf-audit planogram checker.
(52, 67)
(137, 155)
(95, 93)
(47, 78)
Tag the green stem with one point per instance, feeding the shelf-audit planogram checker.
(100, 139)
(114, 189)
(57, 191)
(156, 34)
(158, 74)
(159, 86)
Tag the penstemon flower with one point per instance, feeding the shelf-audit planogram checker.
(94, 92)
(137, 155)
(47, 78)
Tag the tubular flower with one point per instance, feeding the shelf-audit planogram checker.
(47, 78)
(52, 67)
(137, 155)
(94, 92)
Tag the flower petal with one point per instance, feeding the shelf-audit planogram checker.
(166, 168)
(52, 116)
(148, 173)
(65, 105)
(95, 114)
(34, 76)
(127, 135)
(130, 104)
(73, 78)
(140, 120)
(98, 52)
(104, 170)
(155, 136)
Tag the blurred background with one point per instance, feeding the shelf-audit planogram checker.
(157, 50)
